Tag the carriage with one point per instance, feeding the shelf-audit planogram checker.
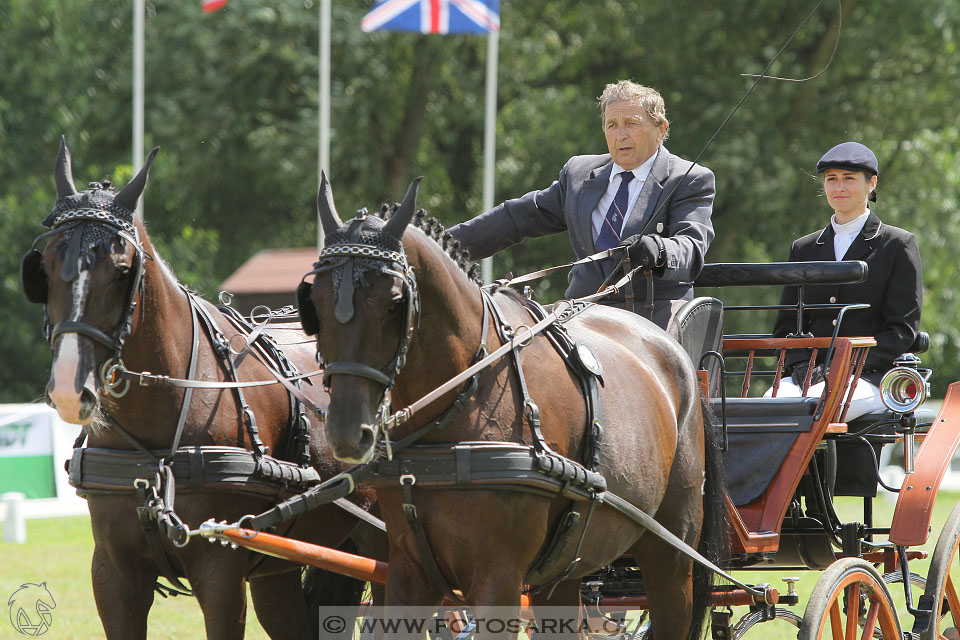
(785, 458)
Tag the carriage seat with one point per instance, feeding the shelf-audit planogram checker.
(760, 433)
(698, 327)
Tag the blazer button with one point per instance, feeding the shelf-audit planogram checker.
(834, 323)
(833, 299)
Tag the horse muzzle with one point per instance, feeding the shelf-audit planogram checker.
(351, 443)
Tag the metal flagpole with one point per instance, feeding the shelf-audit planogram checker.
(323, 99)
(490, 137)
(138, 55)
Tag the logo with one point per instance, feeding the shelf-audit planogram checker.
(30, 607)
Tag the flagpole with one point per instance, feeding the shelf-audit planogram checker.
(323, 99)
(490, 137)
(138, 66)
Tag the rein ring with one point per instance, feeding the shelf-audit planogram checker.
(111, 380)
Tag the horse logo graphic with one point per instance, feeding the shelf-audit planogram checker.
(30, 607)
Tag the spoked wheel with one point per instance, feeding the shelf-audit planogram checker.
(945, 617)
(850, 602)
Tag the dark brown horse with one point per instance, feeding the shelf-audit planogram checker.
(486, 542)
(99, 306)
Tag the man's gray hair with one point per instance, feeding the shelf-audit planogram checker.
(649, 99)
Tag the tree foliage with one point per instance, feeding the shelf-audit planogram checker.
(232, 102)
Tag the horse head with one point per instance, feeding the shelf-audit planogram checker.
(86, 276)
(362, 305)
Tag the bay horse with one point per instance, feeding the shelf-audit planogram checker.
(110, 300)
(396, 317)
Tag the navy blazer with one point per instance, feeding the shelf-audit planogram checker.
(568, 204)
(893, 289)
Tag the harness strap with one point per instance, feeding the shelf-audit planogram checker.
(657, 529)
(530, 409)
(247, 417)
(427, 558)
(355, 369)
(191, 372)
(86, 330)
(339, 486)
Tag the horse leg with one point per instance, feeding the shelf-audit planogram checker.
(220, 584)
(668, 581)
(123, 592)
(278, 602)
(558, 614)
(668, 573)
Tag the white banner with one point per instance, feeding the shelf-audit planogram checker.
(26, 431)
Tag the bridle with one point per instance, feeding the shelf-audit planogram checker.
(396, 265)
(31, 266)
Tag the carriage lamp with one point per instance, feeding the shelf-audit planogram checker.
(903, 389)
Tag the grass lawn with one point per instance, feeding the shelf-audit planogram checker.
(58, 552)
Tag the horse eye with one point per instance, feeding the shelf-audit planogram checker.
(396, 306)
(121, 272)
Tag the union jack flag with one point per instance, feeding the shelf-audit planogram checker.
(434, 16)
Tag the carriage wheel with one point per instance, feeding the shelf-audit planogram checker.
(850, 602)
(943, 590)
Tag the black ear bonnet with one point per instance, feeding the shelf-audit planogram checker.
(348, 274)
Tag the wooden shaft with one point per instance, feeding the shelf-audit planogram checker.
(315, 555)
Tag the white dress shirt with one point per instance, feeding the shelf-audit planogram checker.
(844, 234)
(633, 192)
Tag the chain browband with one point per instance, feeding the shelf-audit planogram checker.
(98, 215)
(363, 251)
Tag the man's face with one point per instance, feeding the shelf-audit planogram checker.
(631, 135)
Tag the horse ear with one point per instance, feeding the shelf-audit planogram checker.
(401, 217)
(327, 211)
(63, 172)
(129, 195)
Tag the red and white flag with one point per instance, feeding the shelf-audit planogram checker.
(209, 6)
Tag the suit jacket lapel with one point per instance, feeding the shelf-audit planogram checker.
(649, 195)
(590, 194)
(863, 243)
(824, 246)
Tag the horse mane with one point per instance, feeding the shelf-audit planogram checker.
(433, 229)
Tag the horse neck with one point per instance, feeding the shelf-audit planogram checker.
(451, 314)
(160, 342)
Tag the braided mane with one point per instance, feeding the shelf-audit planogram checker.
(434, 230)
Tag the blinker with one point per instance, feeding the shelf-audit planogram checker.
(308, 315)
(33, 279)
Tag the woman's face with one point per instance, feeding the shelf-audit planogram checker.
(847, 192)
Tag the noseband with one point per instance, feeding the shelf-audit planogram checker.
(31, 272)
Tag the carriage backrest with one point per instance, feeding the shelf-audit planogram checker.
(698, 327)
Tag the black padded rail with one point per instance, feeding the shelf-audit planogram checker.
(730, 274)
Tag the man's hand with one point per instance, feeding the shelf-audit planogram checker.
(645, 250)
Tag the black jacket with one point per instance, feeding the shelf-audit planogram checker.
(893, 289)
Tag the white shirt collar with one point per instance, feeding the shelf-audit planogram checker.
(640, 173)
(853, 227)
